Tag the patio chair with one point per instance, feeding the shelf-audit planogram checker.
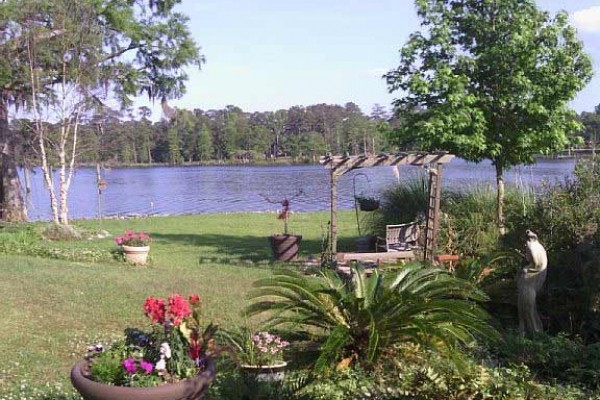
(402, 237)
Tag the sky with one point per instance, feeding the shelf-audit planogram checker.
(265, 55)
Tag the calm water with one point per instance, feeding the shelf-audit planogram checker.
(185, 190)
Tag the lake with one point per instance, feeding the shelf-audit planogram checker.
(216, 189)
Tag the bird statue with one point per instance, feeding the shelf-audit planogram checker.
(529, 281)
(535, 253)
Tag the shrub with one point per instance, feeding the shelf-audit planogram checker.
(566, 218)
(400, 204)
(554, 358)
(356, 320)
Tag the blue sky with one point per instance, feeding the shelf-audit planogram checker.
(266, 55)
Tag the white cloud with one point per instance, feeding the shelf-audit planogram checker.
(588, 19)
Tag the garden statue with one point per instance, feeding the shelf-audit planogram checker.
(529, 281)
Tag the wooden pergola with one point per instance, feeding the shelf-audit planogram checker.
(339, 165)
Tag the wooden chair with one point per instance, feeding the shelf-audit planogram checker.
(400, 237)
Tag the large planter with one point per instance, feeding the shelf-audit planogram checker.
(188, 389)
(285, 247)
(136, 255)
(265, 373)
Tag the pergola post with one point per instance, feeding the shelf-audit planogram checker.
(433, 211)
(333, 222)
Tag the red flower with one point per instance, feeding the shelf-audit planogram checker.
(155, 309)
(179, 308)
(194, 299)
(195, 350)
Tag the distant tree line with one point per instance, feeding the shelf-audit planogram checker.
(590, 135)
(226, 135)
(232, 135)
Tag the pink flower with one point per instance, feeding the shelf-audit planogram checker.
(129, 366)
(194, 299)
(146, 366)
(119, 240)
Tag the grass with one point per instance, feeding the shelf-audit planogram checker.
(52, 309)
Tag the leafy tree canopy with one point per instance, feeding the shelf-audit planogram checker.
(489, 79)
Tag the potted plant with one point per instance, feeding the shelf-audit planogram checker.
(171, 360)
(259, 353)
(285, 246)
(367, 203)
(135, 246)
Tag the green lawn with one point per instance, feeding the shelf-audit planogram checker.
(52, 309)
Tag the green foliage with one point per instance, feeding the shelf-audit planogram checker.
(489, 80)
(401, 204)
(357, 320)
(554, 358)
(26, 240)
(567, 214)
(233, 384)
(107, 367)
(247, 343)
(566, 218)
(480, 97)
(468, 223)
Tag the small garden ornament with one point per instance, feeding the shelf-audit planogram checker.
(529, 282)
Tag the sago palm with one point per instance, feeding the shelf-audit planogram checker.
(357, 319)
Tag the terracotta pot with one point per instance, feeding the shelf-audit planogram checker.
(265, 373)
(188, 389)
(285, 247)
(136, 255)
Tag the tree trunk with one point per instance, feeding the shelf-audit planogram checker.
(333, 227)
(500, 197)
(63, 217)
(11, 201)
(26, 175)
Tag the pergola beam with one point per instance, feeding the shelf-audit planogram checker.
(342, 164)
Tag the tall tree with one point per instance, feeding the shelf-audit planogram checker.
(489, 79)
(136, 47)
(591, 126)
(204, 146)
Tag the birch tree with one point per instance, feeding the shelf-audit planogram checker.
(81, 54)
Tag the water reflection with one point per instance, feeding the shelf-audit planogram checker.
(185, 190)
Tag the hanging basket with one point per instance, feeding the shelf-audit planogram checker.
(367, 203)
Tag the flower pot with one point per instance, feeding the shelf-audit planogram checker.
(188, 389)
(136, 255)
(285, 247)
(265, 373)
